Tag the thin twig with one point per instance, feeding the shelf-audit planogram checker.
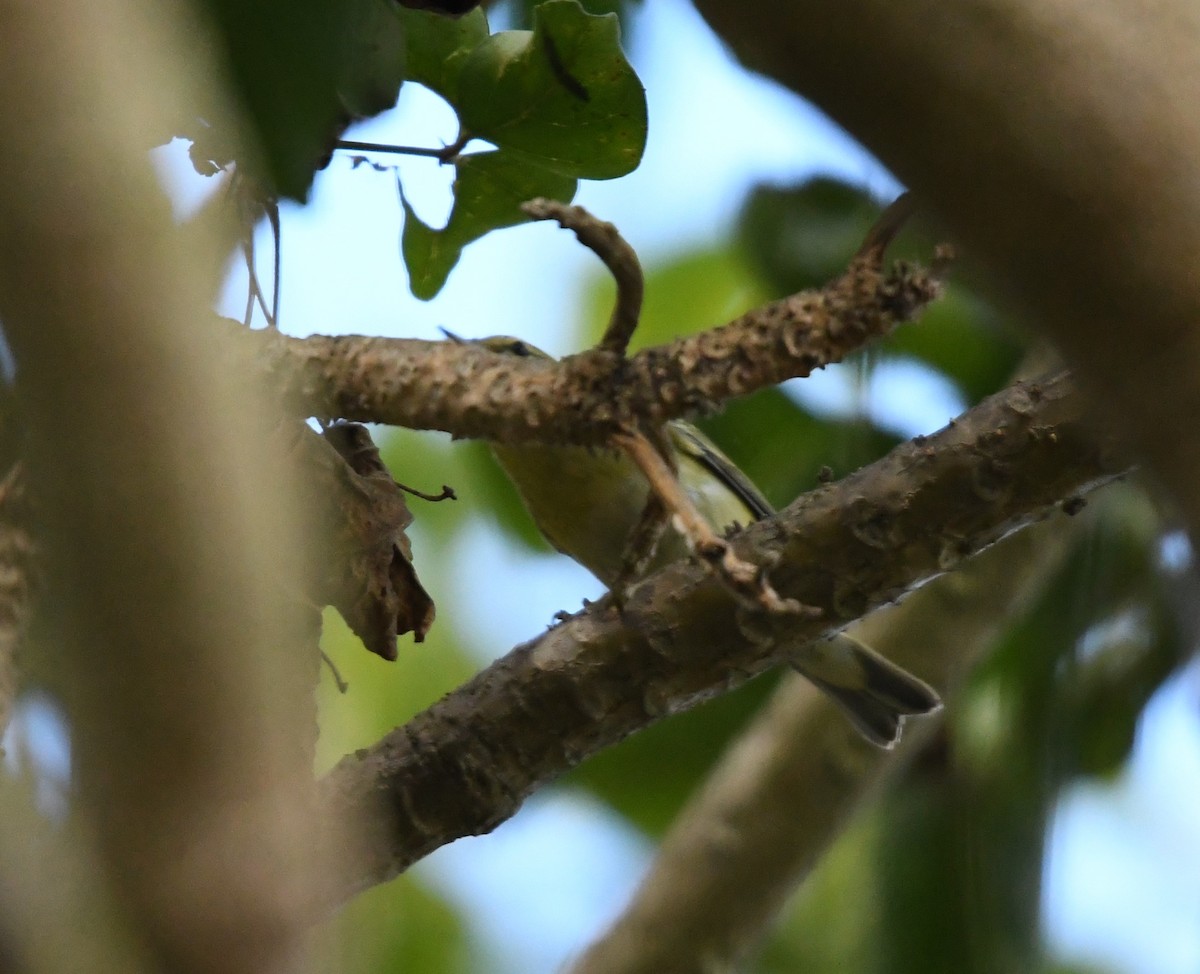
(254, 293)
(447, 493)
(271, 206)
(619, 257)
(446, 154)
(342, 685)
(890, 222)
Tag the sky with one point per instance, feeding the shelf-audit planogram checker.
(1123, 862)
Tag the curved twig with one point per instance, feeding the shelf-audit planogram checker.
(619, 257)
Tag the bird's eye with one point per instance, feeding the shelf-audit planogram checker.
(519, 348)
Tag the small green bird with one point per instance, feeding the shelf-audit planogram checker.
(587, 503)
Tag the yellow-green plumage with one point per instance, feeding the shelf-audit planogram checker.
(587, 503)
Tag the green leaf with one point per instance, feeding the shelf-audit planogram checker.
(374, 58)
(438, 47)
(284, 59)
(488, 192)
(562, 95)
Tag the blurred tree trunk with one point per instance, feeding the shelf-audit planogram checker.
(1057, 141)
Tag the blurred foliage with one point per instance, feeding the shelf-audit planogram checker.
(289, 61)
(411, 929)
(949, 863)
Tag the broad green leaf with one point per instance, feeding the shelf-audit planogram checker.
(488, 192)
(373, 62)
(562, 95)
(438, 47)
(285, 64)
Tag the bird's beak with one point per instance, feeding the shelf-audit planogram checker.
(457, 339)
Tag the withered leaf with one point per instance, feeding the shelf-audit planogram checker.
(369, 576)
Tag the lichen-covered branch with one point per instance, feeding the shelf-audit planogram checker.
(469, 391)
(466, 764)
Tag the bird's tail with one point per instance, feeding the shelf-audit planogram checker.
(872, 691)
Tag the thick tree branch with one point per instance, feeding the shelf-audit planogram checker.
(787, 785)
(471, 392)
(468, 762)
(1058, 142)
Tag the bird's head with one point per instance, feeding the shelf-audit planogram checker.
(502, 345)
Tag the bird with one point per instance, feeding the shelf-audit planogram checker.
(587, 502)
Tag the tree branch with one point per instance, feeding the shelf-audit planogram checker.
(468, 391)
(467, 763)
